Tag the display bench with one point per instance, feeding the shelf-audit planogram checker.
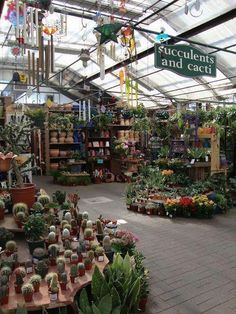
(42, 298)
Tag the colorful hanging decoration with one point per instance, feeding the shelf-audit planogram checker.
(15, 13)
(128, 40)
(108, 32)
(15, 51)
(51, 24)
(122, 7)
(162, 37)
(122, 81)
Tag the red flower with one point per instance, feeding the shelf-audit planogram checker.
(185, 201)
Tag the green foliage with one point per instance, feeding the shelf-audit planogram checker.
(59, 197)
(37, 116)
(102, 121)
(35, 227)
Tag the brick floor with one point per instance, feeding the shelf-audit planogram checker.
(192, 263)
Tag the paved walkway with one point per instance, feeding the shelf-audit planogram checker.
(192, 263)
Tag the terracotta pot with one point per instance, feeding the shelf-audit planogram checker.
(80, 258)
(36, 287)
(68, 107)
(70, 134)
(69, 139)
(72, 279)
(88, 267)
(62, 139)
(74, 262)
(63, 153)
(18, 288)
(5, 300)
(53, 261)
(81, 272)
(5, 164)
(63, 285)
(54, 152)
(53, 133)
(54, 140)
(2, 213)
(19, 224)
(142, 304)
(54, 166)
(24, 194)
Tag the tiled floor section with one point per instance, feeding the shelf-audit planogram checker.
(192, 263)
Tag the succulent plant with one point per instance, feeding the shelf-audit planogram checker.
(60, 268)
(11, 246)
(91, 255)
(99, 251)
(35, 279)
(61, 260)
(3, 280)
(67, 244)
(73, 271)
(67, 226)
(63, 222)
(39, 253)
(74, 257)
(20, 273)
(87, 262)
(52, 229)
(44, 199)
(106, 243)
(85, 215)
(48, 277)
(27, 289)
(66, 233)
(63, 277)
(80, 266)
(5, 271)
(67, 253)
(53, 250)
(19, 207)
(37, 206)
(52, 236)
(68, 217)
(93, 245)
(21, 216)
(89, 224)
(54, 284)
(41, 268)
(88, 233)
(99, 227)
(66, 206)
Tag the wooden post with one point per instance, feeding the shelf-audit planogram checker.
(29, 68)
(33, 68)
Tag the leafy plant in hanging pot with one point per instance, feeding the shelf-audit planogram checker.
(35, 229)
(37, 116)
(16, 135)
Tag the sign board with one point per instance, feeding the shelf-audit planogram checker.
(185, 60)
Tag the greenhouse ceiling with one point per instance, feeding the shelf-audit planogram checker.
(210, 24)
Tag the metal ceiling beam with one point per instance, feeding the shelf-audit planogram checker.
(187, 34)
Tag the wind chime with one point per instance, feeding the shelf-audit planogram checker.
(131, 87)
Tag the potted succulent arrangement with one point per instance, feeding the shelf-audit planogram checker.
(54, 288)
(20, 273)
(73, 273)
(41, 269)
(106, 243)
(63, 281)
(35, 230)
(67, 255)
(20, 212)
(16, 136)
(35, 280)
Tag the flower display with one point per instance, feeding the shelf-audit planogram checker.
(167, 172)
(121, 148)
(124, 241)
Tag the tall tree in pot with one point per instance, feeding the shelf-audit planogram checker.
(16, 136)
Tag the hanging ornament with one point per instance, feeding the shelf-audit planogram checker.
(108, 32)
(162, 36)
(15, 51)
(51, 24)
(12, 12)
(122, 7)
(85, 57)
(128, 40)
(122, 80)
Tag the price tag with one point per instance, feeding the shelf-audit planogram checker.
(29, 270)
(35, 260)
(100, 161)
(192, 162)
(207, 158)
(100, 258)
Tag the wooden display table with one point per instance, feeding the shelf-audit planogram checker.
(42, 298)
(9, 223)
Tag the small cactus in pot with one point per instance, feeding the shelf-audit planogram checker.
(38, 254)
(73, 273)
(67, 255)
(54, 287)
(85, 215)
(27, 291)
(89, 224)
(84, 224)
(37, 207)
(81, 269)
(106, 243)
(5, 271)
(99, 254)
(88, 264)
(74, 258)
(74, 227)
(90, 255)
(53, 228)
(4, 294)
(53, 251)
(100, 231)
(10, 247)
(63, 281)
(68, 217)
(20, 219)
(51, 239)
(19, 207)
(48, 278)
(35, 280)
(67, 244)
(44, 199)
(41, 269)
(65, 234)
(20, 273)
(88, 234)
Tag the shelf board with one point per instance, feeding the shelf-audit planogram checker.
(100, 157)
(98, 147)
(63, 111)
(98, 137)
(60, 157)
(119, 126)
(58, 129)
(66, 143)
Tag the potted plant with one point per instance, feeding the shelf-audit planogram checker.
(73, 273)
(99, 254)
(41, 269)
(37, 116)
(10, 248)
(20, 273)
(5, 236)
(5, 271)
(53, 251)
(90, 255)
(38, 254)
(2, 209)
(27, 291)
(88, 263)
(44, 199)
(35, 280)
(48, 278)
(81, 269)
(20, 219)
(35, 229)
(63, 281)
(4, 294)
(74, 258)
(37, 207)
(106, 243)
(59, 197)
(20, 211)
(54, 287)
(100, 231)
(16, 136)
(67, 255)
(88, 234)
(51, 239)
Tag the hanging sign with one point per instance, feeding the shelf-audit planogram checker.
(185, 60)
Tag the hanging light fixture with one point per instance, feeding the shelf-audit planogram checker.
(85, 57)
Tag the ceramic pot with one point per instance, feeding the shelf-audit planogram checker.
(54, 140)
(70, 134)
(61, 139)
(53, 133)
(62, 134)
(81, 272)
(127, 122)
(69, 139)
(63, 153)
(54, 152)
(68, 107)
(25, 193)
